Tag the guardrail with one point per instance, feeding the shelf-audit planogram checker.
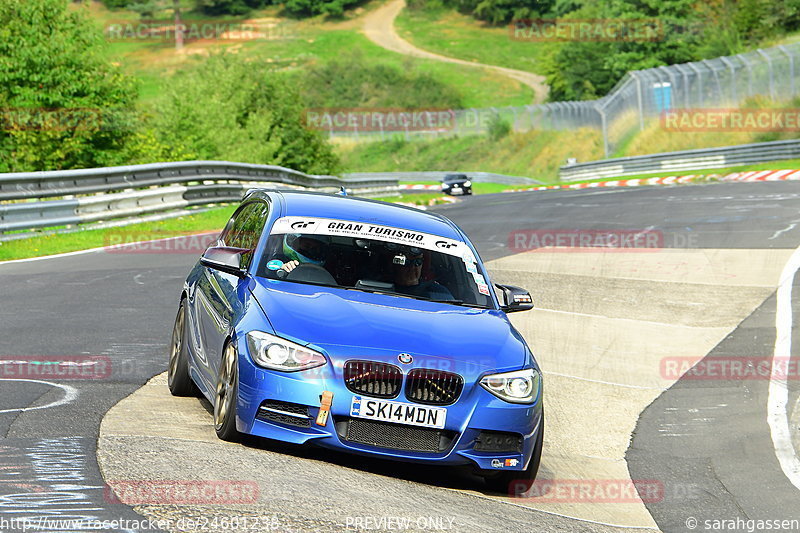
(726, 156)
(143, 189)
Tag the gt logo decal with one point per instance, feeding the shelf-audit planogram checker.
(446, 245)
(301, 225)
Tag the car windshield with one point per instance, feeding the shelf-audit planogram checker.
(374, 258)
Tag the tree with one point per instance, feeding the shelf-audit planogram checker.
(230, 108)
(229, 7)
(63, 105)
(149, 8)
(588, 69)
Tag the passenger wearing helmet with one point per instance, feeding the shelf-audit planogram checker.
(407, 277)
(300, 249)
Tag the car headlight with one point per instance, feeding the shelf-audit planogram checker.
(467, 183)
(445, 185)
(276, 353)
(521, 386)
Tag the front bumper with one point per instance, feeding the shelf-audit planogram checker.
(457, 191)
(475, 411)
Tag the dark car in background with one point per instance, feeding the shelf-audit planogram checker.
(456, 184)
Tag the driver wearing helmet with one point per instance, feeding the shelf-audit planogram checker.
(301, 249)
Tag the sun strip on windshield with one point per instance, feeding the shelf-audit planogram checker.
(366, 230)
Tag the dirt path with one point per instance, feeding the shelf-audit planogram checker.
(379, 28)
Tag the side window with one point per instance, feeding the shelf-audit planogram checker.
(254, 225)
(230, 235)
(245, 227)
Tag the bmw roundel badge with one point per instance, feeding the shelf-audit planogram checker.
(405, 358)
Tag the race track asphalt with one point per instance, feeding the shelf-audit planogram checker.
(707, 443)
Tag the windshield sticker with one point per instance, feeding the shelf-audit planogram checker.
(345, 228)
(275, 264)
(479, 279)
(471, 268)
(483, 289)
(468, 256)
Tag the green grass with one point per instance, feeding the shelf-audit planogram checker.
(418, 199)
(453, 34)
(211, 220)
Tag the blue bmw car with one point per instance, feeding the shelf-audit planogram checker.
(364, 327)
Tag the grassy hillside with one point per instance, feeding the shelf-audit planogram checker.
(453, 34)
(533, 154)
(294, 45)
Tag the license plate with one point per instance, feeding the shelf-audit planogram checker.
(456, 190)
(398, 412)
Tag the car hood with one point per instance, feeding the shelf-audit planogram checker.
(349, 324)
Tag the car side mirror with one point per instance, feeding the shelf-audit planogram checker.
(225, 259)
(516, 298)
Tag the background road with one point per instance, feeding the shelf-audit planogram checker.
(379, 28)
(604, 322)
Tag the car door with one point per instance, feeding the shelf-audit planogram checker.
(225, 293)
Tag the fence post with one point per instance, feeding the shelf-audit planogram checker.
(679, 68)
(604, 123)
(635, 75)
(749, 74)
(771, 74)
(786, 51)
(732, 68)
(699, 73)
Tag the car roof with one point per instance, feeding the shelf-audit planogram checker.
(321, 205)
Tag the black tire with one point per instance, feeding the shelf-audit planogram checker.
(178, 379)
(517, 483)
(225, 395)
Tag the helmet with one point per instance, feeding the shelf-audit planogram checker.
(296, 247)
